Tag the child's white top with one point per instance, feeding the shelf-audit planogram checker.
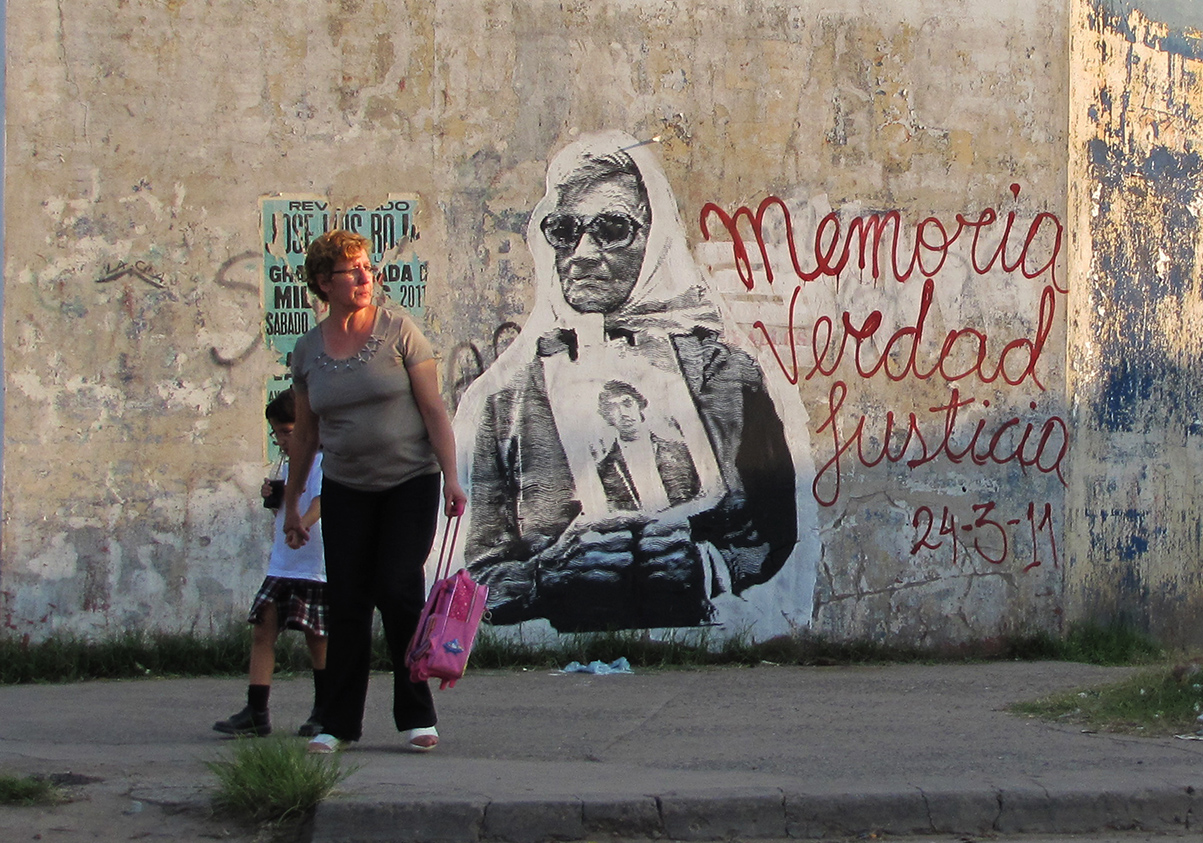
(307, 562)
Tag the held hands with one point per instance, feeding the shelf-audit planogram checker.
(295, 533)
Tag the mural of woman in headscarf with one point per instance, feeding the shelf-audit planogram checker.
(628, 466)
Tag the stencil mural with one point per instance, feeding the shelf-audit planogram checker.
(628, 461)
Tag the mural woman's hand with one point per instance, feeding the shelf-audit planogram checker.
(587, 556)
(667, 553)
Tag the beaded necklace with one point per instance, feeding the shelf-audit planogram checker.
(326, 362)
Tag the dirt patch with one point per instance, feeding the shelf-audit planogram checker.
(96, 809)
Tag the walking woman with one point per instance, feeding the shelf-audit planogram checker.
(367, 391)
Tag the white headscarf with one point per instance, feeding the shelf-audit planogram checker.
(670, 296)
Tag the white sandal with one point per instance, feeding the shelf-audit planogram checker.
(422, 732)
(325, 743)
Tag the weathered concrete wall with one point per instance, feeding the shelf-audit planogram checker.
(147, 133)
(1136, 179)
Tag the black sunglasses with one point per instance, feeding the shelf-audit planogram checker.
(609, 231)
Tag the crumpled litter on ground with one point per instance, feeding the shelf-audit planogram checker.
(619, 665)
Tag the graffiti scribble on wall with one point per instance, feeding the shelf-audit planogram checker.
(629, 463)
(222, 279)
(143, 270)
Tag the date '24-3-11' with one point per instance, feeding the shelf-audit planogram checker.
(984, 526)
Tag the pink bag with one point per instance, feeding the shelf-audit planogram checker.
(448, 623)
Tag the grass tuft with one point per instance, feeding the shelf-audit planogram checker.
(132, 654)
(273, 779)
(136, 653)
(1111, 644)
(1088, 643)
(682, 648)
(29, 790)
(1157, 702)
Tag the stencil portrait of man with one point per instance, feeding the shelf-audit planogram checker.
(627, 464)
(641, 469)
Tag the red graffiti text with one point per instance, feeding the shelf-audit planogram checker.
(932, 239)
(1042, 447)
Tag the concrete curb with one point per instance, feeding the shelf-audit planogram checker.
(757, 815)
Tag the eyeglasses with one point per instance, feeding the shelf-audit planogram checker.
(609, 231)
(367, 269)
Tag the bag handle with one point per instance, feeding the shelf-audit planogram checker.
(447, 549)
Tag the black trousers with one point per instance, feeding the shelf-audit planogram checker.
(376, 544)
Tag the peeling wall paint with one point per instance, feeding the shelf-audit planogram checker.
(142, 138)
(1135, 187)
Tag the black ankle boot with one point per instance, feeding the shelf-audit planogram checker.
(245, 723)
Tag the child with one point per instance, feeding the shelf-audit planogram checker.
(292, 596)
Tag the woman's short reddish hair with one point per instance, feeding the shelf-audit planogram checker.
(326, 250)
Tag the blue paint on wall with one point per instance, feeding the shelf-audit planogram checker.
(1183, 17)
(1147, 383)
(1130, 582)
(1133, 547)
(1124, 389)
(1147, 401)
(1127, 533)
(1101, 157)
(1143, 390)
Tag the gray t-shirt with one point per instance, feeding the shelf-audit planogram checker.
(371, 430)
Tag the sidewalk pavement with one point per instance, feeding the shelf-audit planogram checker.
(708, 754)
